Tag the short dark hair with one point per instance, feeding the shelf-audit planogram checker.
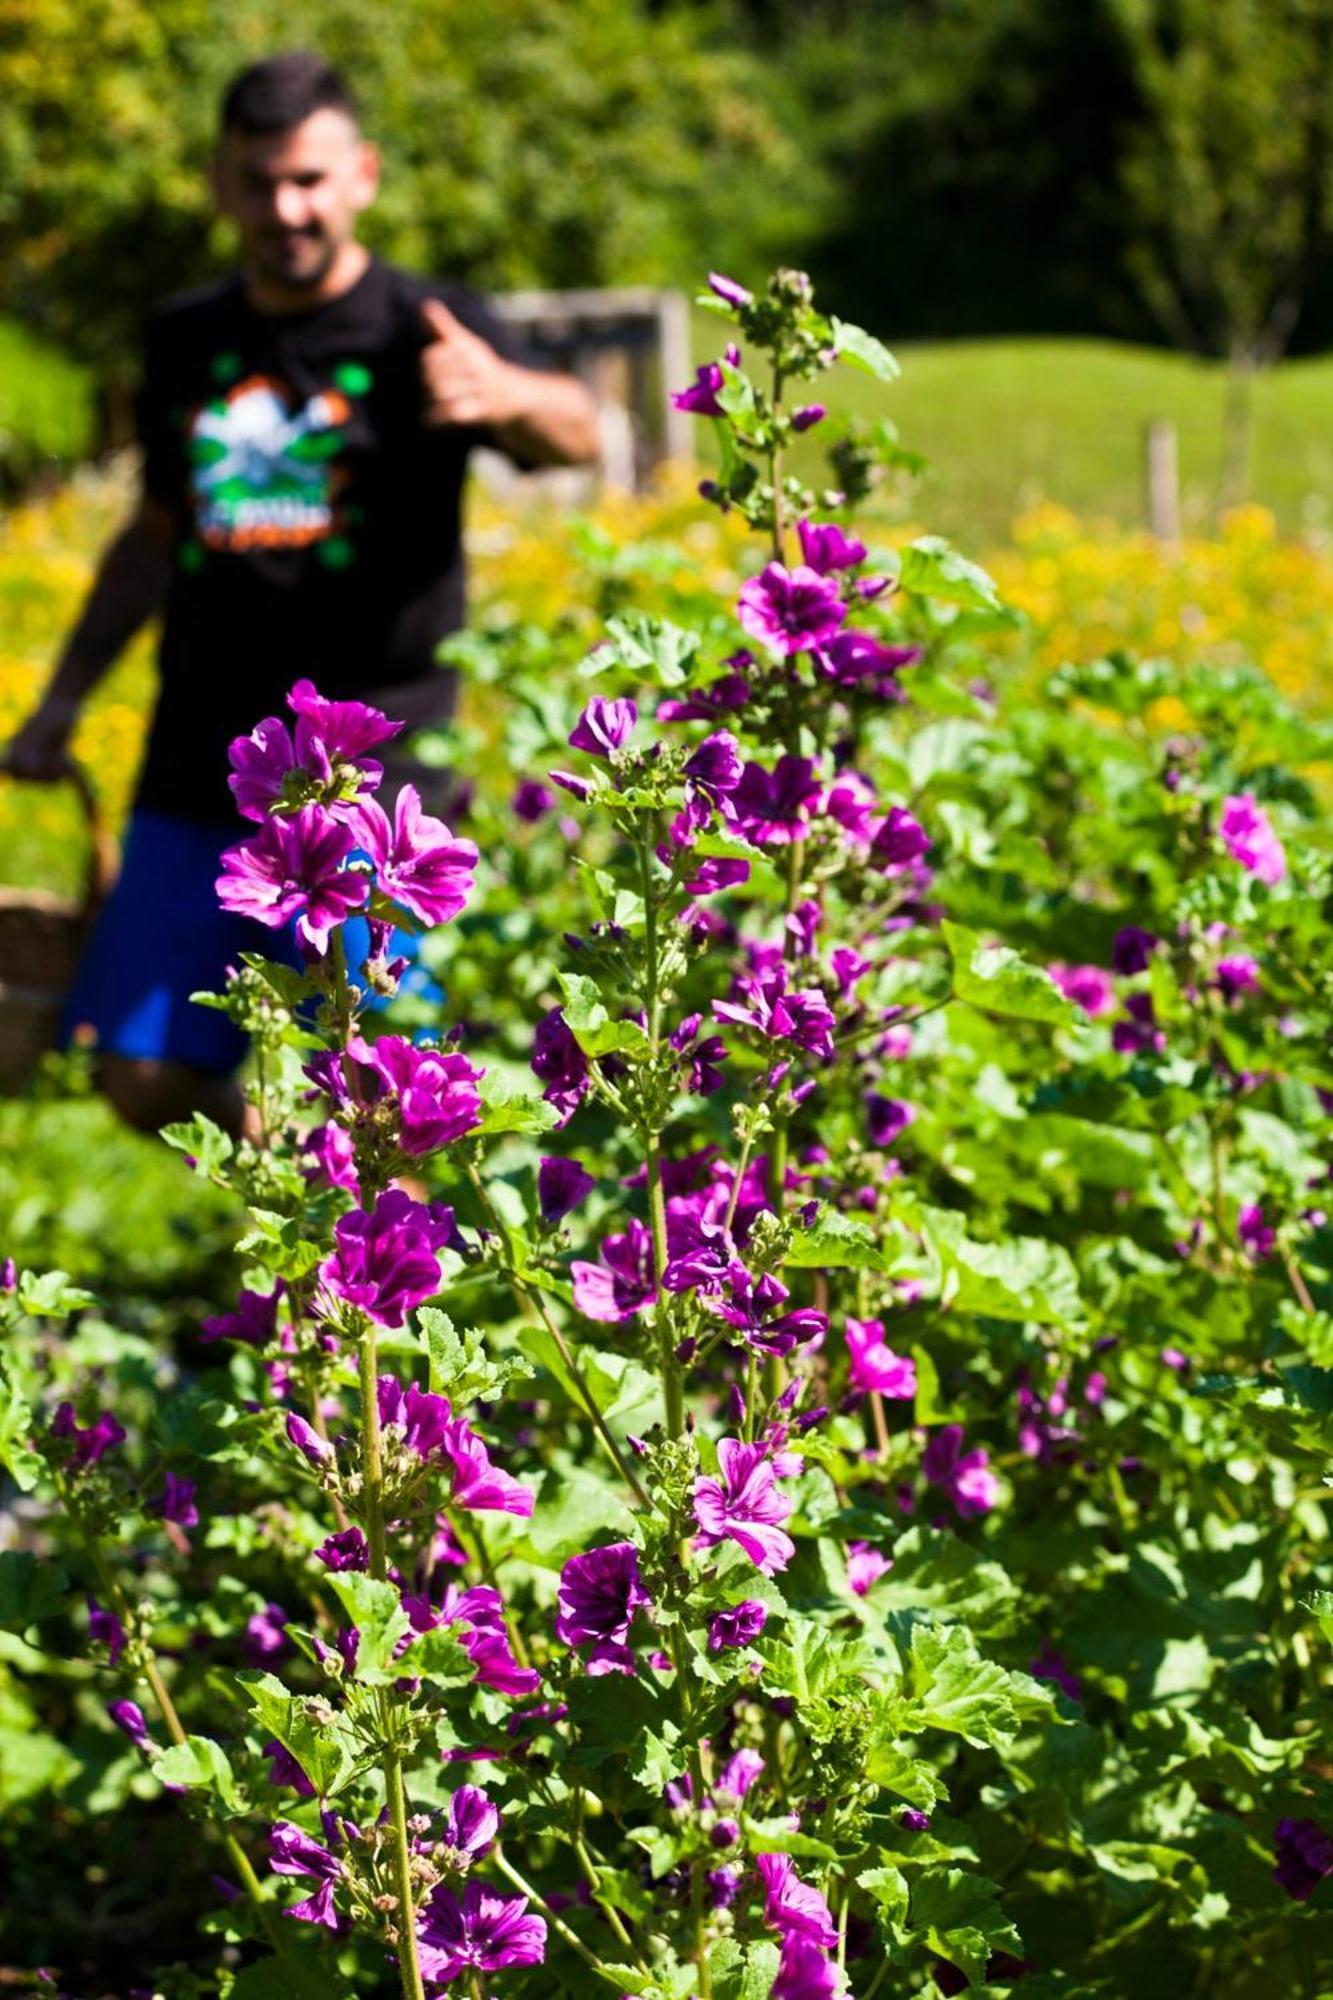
(283, 91)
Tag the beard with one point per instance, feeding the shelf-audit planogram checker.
(298, 258)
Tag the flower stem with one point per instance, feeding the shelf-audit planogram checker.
(571, 1937)
(373, 1500)
(673, 1395)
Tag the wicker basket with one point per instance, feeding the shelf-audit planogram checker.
(42, 936)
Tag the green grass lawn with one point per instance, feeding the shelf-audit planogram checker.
(1006, 423)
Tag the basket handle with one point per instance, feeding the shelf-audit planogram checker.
(103, 863)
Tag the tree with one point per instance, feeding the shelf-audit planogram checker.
(1228, 172)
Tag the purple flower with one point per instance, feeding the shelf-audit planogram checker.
(1235, 976)
(90, 1442)
(346, 1551)
(738, 1776)
(736, 1626)
(1304, 1856)
(105, 1629)
(477, 1618)
(719, 697)
(700, 397)
(774, 806)
(854, 659)
(1137, 1032)
(292, 1852)
(293, 868)
(314, 1449)
(275, 767)
(346, 728)
(127, 1715)
(9, 1275)
(745, 1506)
(598, 1597)
(330, 1152)
(716, 765)
(265, 1638)
(531, 801)
(283, 1770)
(875, 1365)
(803, 1017)
(887, 1118)
(1132, 949)
(1050, 1666)
(899, 840)
(703, 1056)
(559, 1062)
(430, 1429)
(485, 1931)
(176, 1501)
(1258, 1238)
(865, 1566)
(387, 1262)
(254, 1321)
(825, 547)
(805, 419)
(1088, 986)
(794, 1907)
(419, 863)
(728, 290)
(914, 1821)
(790, 610)
(436, 1090)
(623, 1283)
(1248, 837)
(754, 1310)
(964, 1477)
(604, 726)
(472, 1825)
(561, 1186)
(805, 1972)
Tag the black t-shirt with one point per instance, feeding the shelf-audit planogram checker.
(320, 518)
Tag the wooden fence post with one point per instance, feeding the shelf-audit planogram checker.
(1162, 481)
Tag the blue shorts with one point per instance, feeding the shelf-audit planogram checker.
(162, 935)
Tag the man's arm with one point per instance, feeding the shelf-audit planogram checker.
(542, 419)
(130, 585)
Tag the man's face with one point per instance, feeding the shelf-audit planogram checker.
(295, 196)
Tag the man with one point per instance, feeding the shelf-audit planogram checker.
(306, 426)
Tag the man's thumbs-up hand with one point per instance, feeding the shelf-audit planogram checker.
(463, 380)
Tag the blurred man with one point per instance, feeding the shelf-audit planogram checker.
(306, 426)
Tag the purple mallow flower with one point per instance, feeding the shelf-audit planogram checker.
(561, 1186)
(774, 807)
(418, 862)
(859, 659)
(1235, 976)
(865, 1566)
(129, 1717)
(700, 397)
(1136, 1032)
(875, 1366)
(314, 1449)
(605, 725)
(1088, 986)
(346, 1551)
(1052, 1666)
(559, 1063)
(964, 1477)
(736, 1626)
(284, 1772)
(265, 1635)
(292, 1852)
(105, 1629)
(429, 1427)
(472, 1825)
(176, 1501)
(793, 1907)
(531, 801)
(254, 1321)
(1304, 1856)
(808, 416)
(1258, 1238)
(476, 1617)
(276, 766)
(754, 1309)
(887, 1118)
(599, 1595)
(623, 1283)
(802, 1016)
(386, 1262)
(790, 610)
(728, 290)
(805, 1971)
(1132, 949)
(826, 547)
(1247, 834)
(745, 1506)
(482, 1932)
(293, 868)
(88, 1443)
(899, 840)
(434, 1090)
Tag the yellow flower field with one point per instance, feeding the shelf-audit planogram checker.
(1084, 588)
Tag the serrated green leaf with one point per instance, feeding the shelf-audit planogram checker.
(1001, 981)
(20, 1461)
(743, 1972)
(644, 646)
(508, 1107)
(206, 1143)
(930, 567)
(30, 1589)
(374, 1608)
(835, 1242)
(325, 1753)
(50, 1295)
(461, 1367)
(864, 351)
(958, 1916)
(200, 1764)
(955, 1689)
(591, 1025)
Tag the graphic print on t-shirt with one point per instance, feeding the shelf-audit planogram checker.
(263, 473)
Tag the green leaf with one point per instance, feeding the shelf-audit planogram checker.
(206, 1143)
(888, 1887)
(50, 1295)
(20, 1461)
(295, 1976)
(1320, 1604)
(1001, 981)
(835, 1242)
(955, 1689)
(644, 646)
(863, 351)
(440, 1658)
(326, 1754)
(30, 1589)
(948, 1578)
(589, 1022)
(1024, 1277)
(508, 1107)
(201, 1764)
(742, 1972)
(375, 1610)
(930, 567)
(958, 1916)
(460, 1365)
(736, 396)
